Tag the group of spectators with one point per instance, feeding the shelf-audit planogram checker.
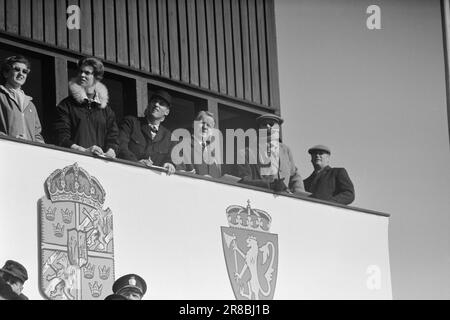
(85, 122)
(13, 276)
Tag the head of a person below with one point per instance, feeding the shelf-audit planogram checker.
(130, 286)
(13, 276)
(320, 157)
(159, 107)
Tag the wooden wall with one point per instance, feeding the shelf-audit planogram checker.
(224, 46)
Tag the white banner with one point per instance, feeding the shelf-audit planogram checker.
(174, 231)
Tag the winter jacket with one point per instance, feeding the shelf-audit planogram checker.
(86, 122)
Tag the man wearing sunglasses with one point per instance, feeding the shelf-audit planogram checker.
(18, 115)
(327, 183)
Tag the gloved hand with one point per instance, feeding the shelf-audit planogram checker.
(278, 185)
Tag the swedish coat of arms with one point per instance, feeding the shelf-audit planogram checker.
(251, 253)
(76, 237)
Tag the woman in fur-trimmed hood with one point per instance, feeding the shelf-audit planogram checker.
(84, 120)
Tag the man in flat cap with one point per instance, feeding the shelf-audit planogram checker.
(145, 139)
(130, 286)
(327, 183)
(270, 165)
(12, 278)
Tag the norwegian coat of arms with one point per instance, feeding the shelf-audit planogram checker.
(251, 253)
(76, 238)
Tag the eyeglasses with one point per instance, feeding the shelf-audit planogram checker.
(24, 71)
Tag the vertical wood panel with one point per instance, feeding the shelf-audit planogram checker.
(2, 15)
(86, 27)
(25, 17)
(141, 96)
(184, 49)
(12, 16)
(74, 34)
(143, 36)
(261, 21)
(154, 40)
(254, 54)
(212, 54)
(133, 33)
(163, 38)
(49, 21)
(38, 20)
(246, 51)
(202, 44)
(61, 24)
(193, 52)
(229, 61)
(237, 49)
(121, 29)
(272, 55)
(110, 30)
(61, 79)
(222, 73)
(173, 40)
(99, 29)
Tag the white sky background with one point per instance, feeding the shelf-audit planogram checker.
(377, 99)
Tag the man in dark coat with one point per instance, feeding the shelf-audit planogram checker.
(326, 183)
(145, 139)
(12, 278)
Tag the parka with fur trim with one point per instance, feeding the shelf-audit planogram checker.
(86, 122)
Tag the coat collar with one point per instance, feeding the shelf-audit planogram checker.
(79, 94)
(27, 99)
(148, 133)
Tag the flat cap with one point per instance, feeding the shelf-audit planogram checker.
(15, 269)
(163, 95)
(319, 147)
(270, 116)
(130, 281)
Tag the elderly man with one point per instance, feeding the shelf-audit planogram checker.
(273, 168)
(145, 139)
(130, 286)
(326, 183)
(203, 159)
(12, 278)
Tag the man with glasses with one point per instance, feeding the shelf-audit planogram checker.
(326, 183)
(18, 114)
(145, 139)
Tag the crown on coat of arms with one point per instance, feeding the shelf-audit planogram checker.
(50, 214)
(67, 215)
(74, 184)
(104, 272)
(96, 289)
(89, 271)
(58, 230)
(248, 218)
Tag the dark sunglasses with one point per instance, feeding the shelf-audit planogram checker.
(24, 71)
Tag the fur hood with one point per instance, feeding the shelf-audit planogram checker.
(79, 94)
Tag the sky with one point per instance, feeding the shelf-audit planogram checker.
(377, 98)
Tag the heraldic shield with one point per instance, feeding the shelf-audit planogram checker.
(76, 238)
(251, 253)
